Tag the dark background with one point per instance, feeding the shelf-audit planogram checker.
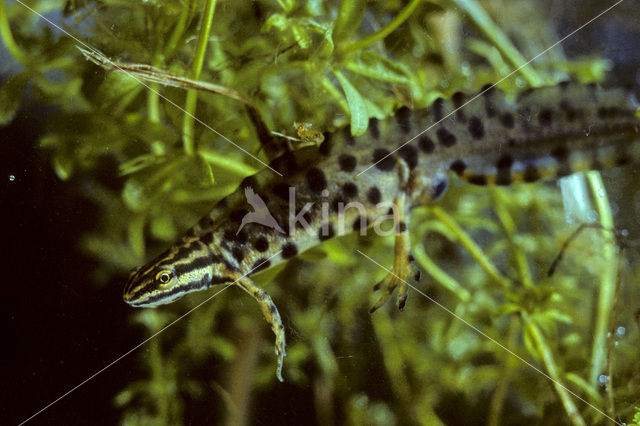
(60, 329)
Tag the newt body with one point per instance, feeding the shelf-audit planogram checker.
(547, 133)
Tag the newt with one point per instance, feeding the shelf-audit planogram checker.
(347, 184)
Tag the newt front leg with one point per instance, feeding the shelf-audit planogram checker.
(272, 316)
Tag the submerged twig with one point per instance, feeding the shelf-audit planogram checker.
(156, 75)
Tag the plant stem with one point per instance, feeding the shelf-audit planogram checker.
(178, 30)
(446, 280)
(552, 369)
(7, 36)
(497, 400)
(388, 29)
(607, 288)
(192, 95)
(502, 42)
(471, 246)
(510, 230)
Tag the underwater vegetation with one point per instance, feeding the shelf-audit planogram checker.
(495, 336)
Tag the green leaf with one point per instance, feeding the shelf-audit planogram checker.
(63, 166)
(287, 5)
(349, 18)
(136, 234)
(276, 20)
(373, 65)
(163, 227)
(134, 195)
(357, 106)
(301, 35)
(10, 95)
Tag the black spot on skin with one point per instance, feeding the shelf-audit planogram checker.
(561, 155)
(237, 254)
(374, 128)
(207, 238)
(610, 112)
(325, 232)
(425, 144)
(281, 190)
(487, 89)
(564, 84)
(348, 137)
(289, 250)
(622, 160)
(237, 215)
(478, 180)
(445, 137)
(546, 117)
(260, 264)
(326, 145)
(531, 173)
(373, 195)
(458, 100)
(360, 223)
(458, 167)
(439, 189)
(507, 120)
(382, 160)
(410, 155)
(402, 227)
(350, 190)
(503, 165)
(403, 118)
(437, 108)
(261, 244)
(316, 180)
(347, 163)
(240, 237)
(205, 222)
(285, 164)
(504, 162)
(476, 128)
(570, 112)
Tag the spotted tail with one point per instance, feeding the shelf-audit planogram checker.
(546, 133)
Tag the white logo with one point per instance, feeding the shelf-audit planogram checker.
(260, 215)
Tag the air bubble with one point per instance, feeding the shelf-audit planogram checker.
(12, 178)
(620, 331)
(592, 216)
(603, 379)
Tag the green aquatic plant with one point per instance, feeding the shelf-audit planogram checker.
(485, 252)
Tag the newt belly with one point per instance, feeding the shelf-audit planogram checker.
(348, 184)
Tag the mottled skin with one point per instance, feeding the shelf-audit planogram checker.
(547, 132)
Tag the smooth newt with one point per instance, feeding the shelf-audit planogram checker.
(546, 133)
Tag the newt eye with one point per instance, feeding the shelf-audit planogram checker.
(165, 277)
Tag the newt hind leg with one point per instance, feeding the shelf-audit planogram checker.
(404, 269)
